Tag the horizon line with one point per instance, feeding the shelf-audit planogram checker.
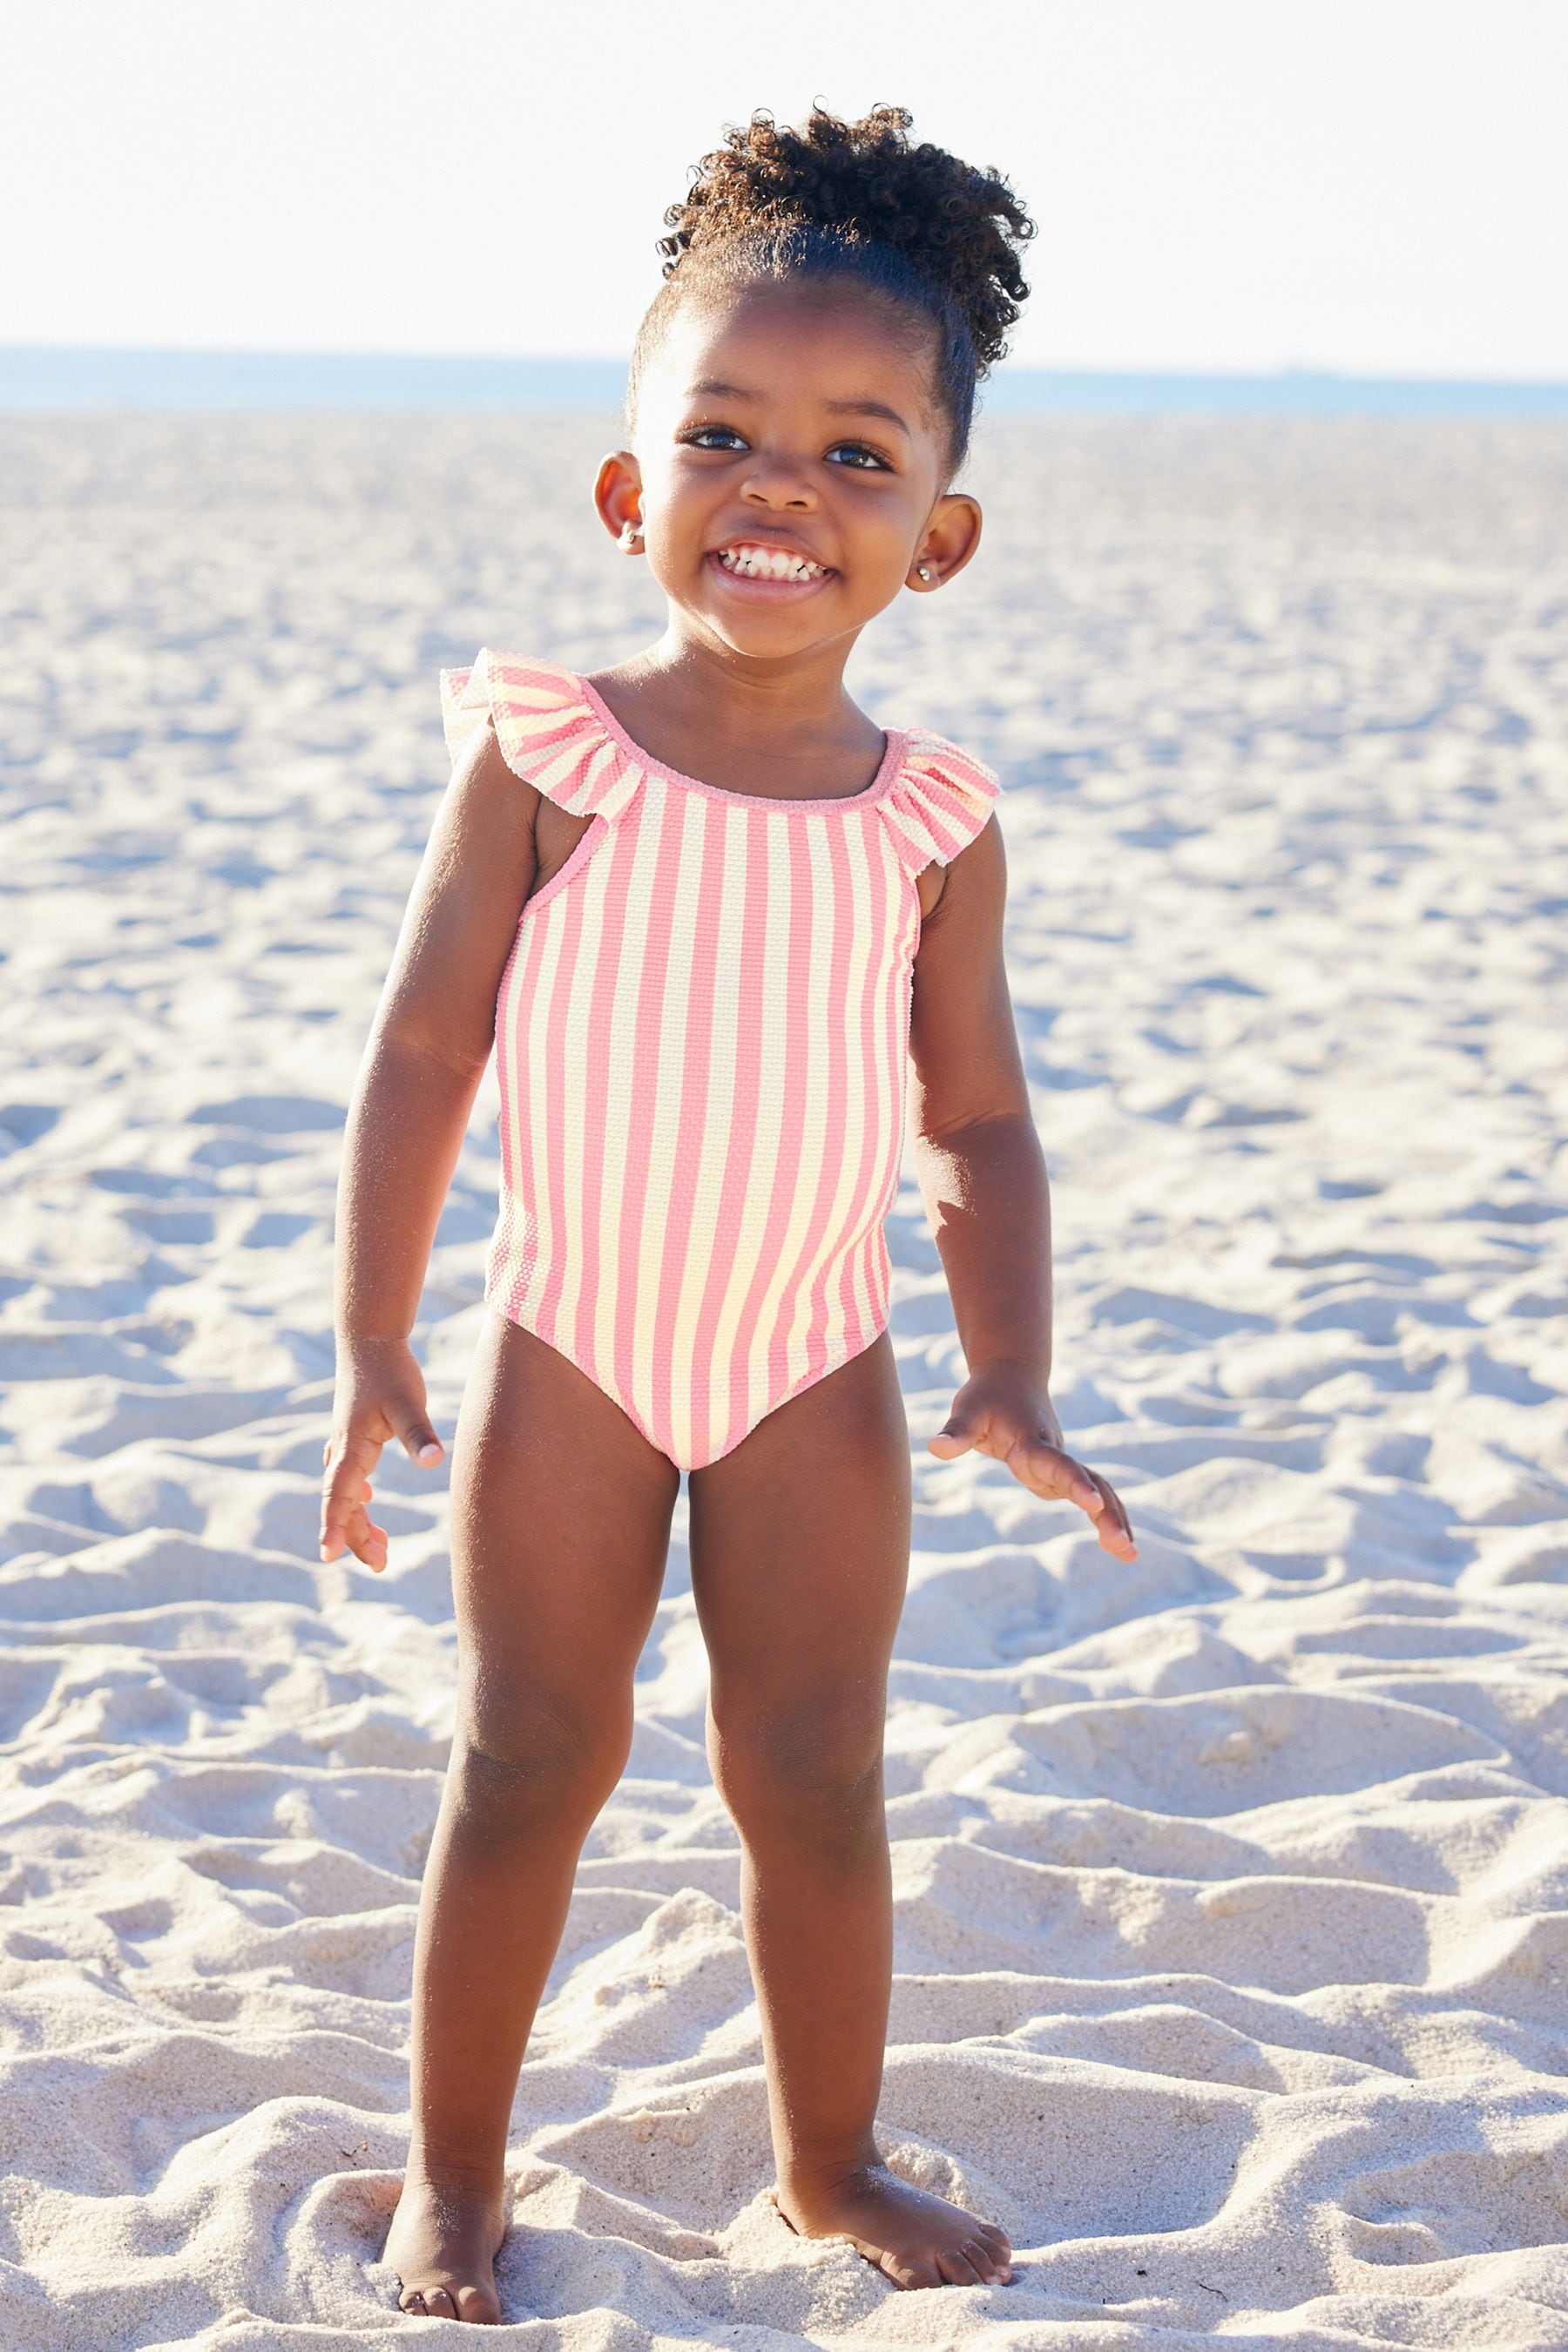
(1312, 371)
(66, 378)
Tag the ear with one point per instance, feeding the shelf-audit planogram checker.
(617, 496)
(950, 539)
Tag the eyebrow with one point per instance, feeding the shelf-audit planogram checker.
(710, 388)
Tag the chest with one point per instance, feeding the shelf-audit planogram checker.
(557, 833)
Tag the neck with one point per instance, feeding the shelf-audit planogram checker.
(742, 695)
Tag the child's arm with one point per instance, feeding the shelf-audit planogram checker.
(428, 1048)
(982, 1177)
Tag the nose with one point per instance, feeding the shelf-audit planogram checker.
(778, 483)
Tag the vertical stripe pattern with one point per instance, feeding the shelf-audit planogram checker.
(701, 1038)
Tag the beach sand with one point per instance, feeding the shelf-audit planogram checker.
(1232, 1936)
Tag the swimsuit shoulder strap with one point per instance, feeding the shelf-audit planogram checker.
(939, 800)
(548, 733)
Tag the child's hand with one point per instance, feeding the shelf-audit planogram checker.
(1003, 1412)
(380, 1398)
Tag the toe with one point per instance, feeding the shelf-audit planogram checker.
(474, 2305)
(956, 2268)
(987, 2263)
(907, 2272)
(438, 2303)
(413, 2301)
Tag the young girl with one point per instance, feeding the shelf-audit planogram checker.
(706, 912)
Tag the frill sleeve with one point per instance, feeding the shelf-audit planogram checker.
(548, 734)
(939, 801)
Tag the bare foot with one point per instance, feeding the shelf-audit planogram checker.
(444, 2239)
(918, 2240)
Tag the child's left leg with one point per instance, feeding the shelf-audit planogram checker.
(800, 1544)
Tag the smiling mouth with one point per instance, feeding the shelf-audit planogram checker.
(746, 560)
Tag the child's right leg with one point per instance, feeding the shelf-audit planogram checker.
(561, 1515)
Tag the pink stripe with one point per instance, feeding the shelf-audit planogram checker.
(947, 814)
(750, 1012)
(702, 988)
(803, 924)
(893, 1033)
(596, 779)
(897, 1033)
(621, 854)
(874, 1129)
(646, 1078)
(511, 1043)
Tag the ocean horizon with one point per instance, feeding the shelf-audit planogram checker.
(46, 377)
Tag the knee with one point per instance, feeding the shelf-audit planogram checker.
(534, 1759)
(808, 1774)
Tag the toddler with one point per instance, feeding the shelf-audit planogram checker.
(708, 915)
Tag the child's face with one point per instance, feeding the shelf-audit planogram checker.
(796, 424)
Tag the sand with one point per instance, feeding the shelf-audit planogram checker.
(1232, 1893)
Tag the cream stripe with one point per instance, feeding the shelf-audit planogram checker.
(550, 771)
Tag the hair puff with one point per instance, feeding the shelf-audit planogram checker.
(866, 182)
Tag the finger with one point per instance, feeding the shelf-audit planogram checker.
(412, 1424)
(1115, 1526)
(958, 1433)
(1056, 1475)
(337, 1521)
(334, 1534)
(348, 1488)
(367, 1542)
(350, 1457)
(1080, 1485)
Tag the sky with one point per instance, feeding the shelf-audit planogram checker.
(1368, 187)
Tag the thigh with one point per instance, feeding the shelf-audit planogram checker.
(561, 1515)
(800, 1544)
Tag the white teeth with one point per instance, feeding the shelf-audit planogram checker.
(768, 563)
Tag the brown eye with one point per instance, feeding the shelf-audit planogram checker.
(713, 436)
(857, 455)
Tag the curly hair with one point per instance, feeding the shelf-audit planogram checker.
(855, 200)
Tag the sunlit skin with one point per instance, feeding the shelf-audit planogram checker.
(799, 417)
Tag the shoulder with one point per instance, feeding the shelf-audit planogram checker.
(510, 694)
(941, 800)
(546, 728)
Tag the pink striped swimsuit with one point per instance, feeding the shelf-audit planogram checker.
(701, 1039)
